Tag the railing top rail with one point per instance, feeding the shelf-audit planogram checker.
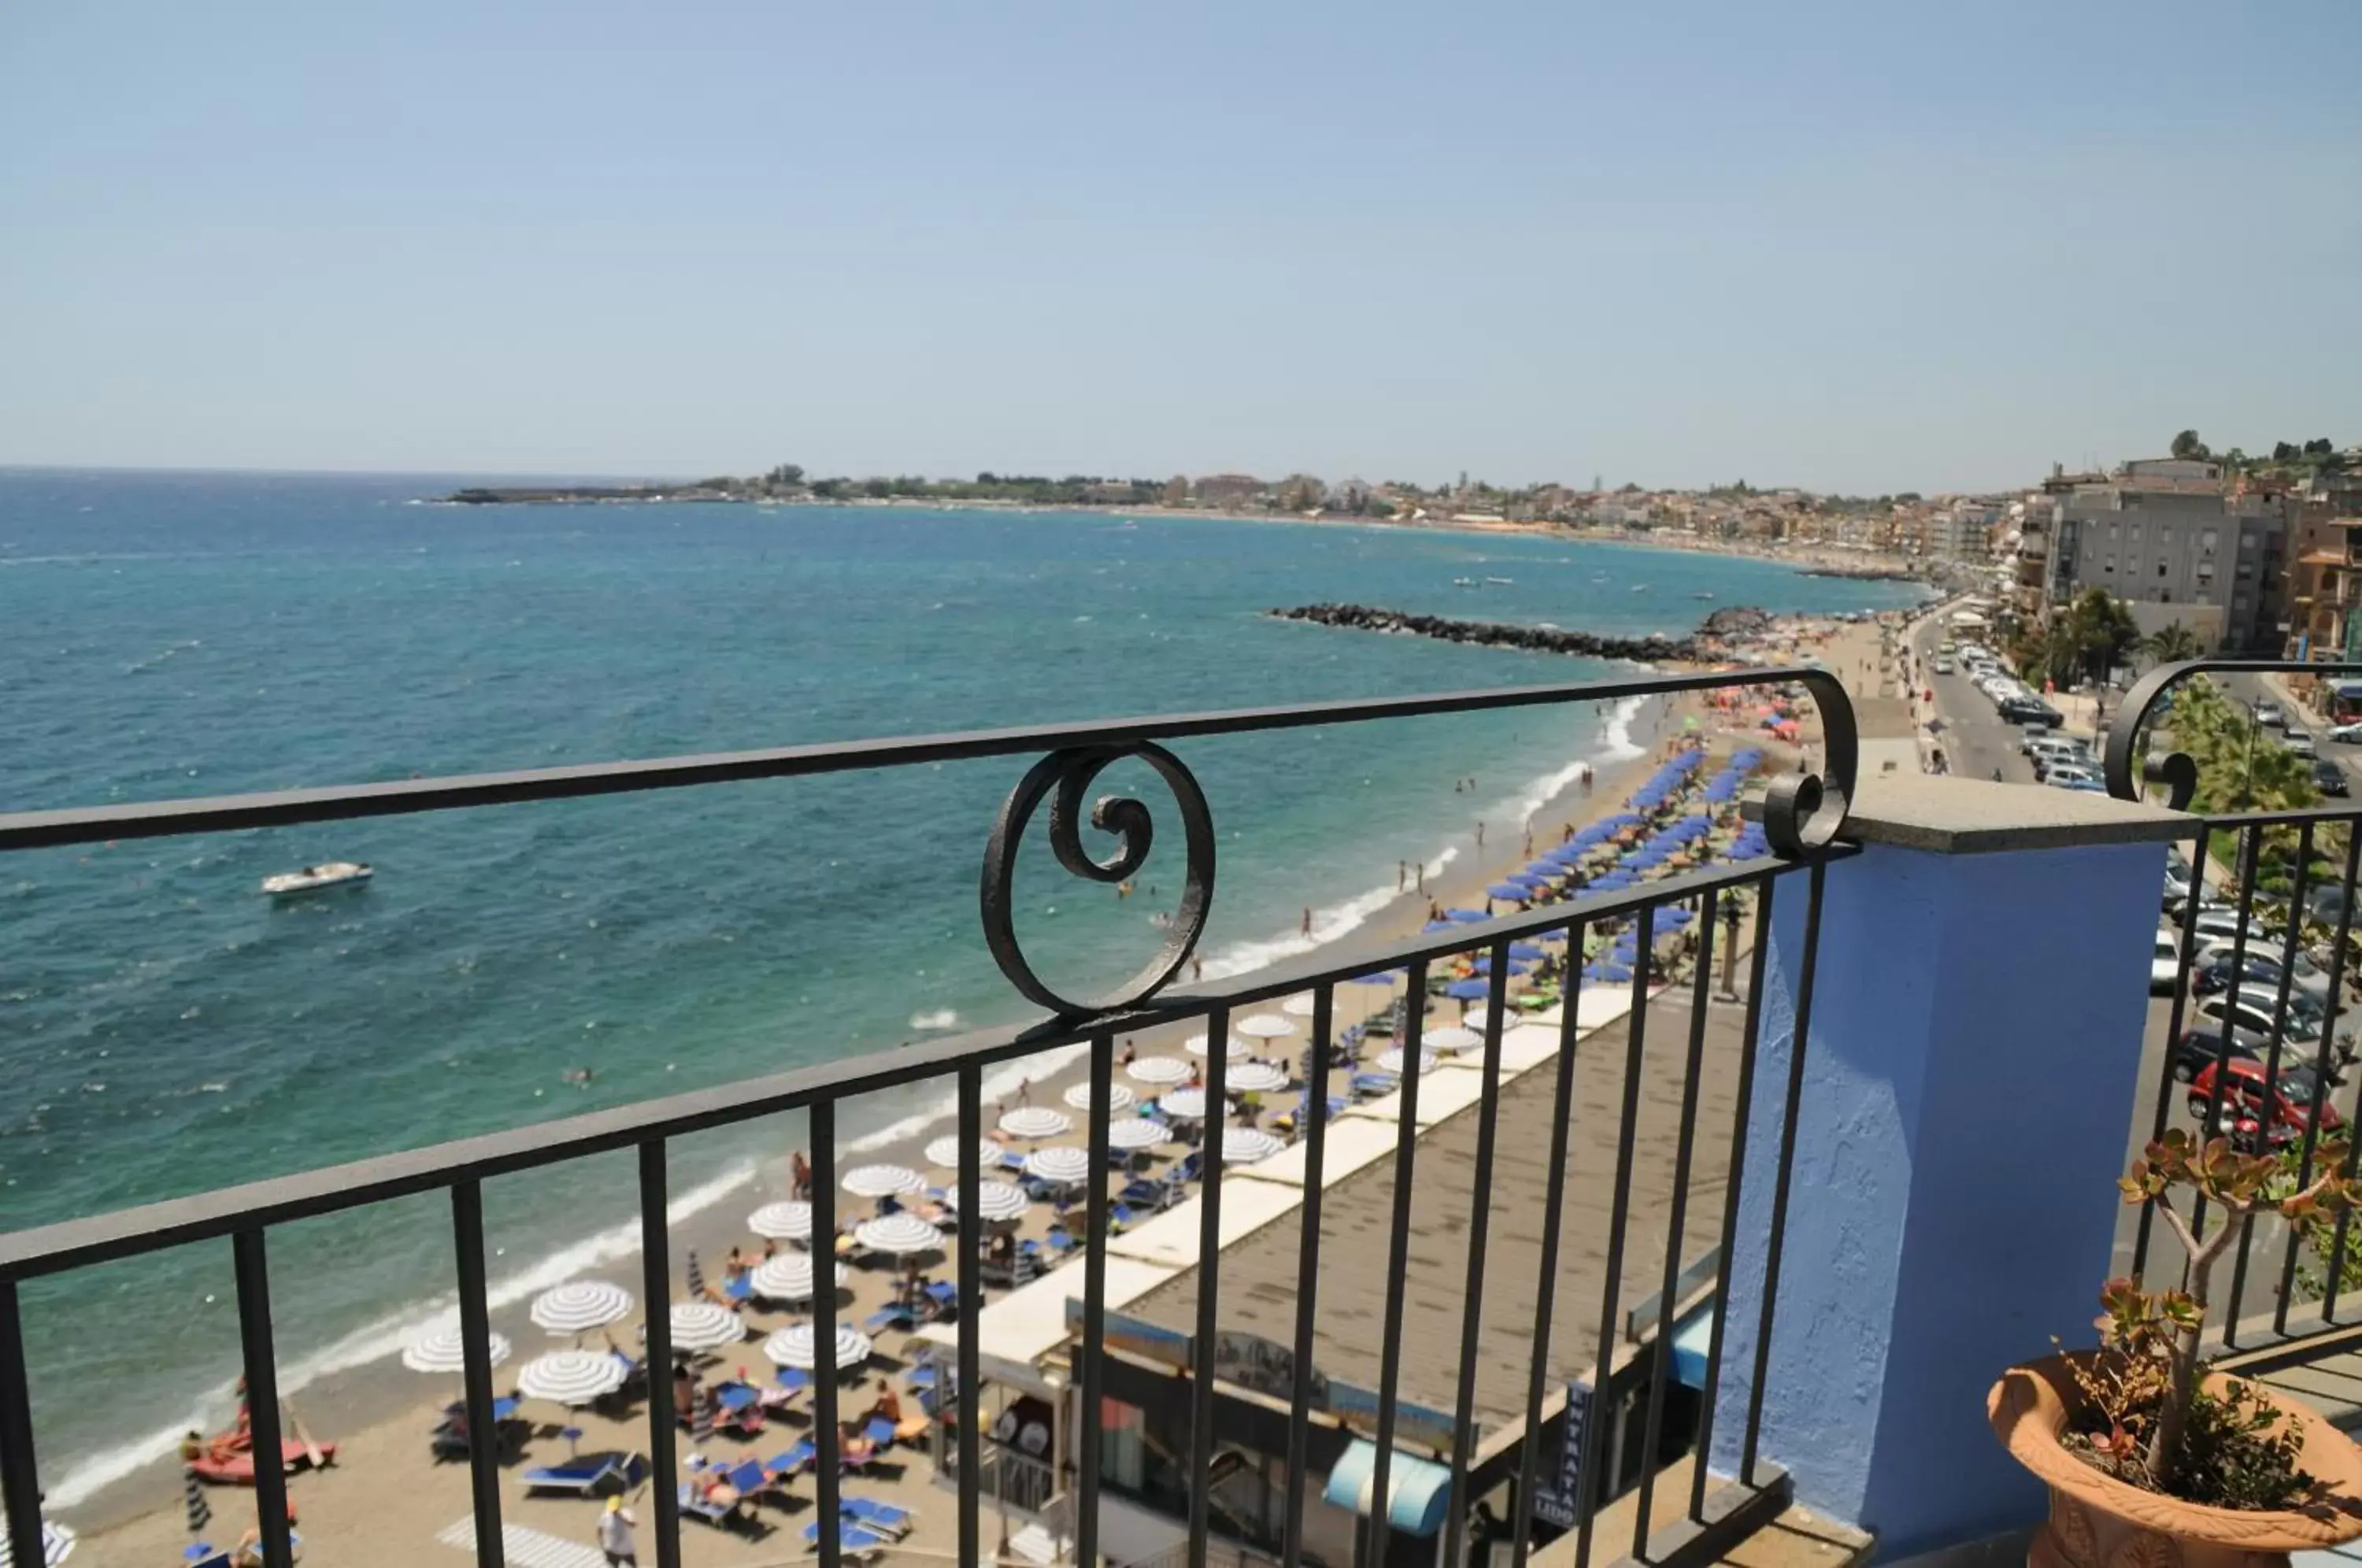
(127, 1232)
(92, 824)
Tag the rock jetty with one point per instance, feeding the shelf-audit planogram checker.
(1734, 623)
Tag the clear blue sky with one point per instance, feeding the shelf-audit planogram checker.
(1867, 247)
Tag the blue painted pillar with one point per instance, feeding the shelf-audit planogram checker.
(1968, 1086)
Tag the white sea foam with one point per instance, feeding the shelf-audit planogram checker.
(941, 1018)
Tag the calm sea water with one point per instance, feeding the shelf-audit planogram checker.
(164, 1029)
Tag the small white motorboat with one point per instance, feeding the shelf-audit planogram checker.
(314, 878)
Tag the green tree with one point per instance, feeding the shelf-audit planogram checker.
(2186, 444)
(2171, 645)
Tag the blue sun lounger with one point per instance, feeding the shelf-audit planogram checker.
(793, 1461)
(850, 1537)
(873, 1515)
(747, 1478)
(585, 1477)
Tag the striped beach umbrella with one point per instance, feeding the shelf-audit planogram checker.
(571, 1376)
(57, 1545)
(1245, 1145)
(1067, 1165)
(794, 1346)
(442, 1352)
(883, 1181)
(995, 1200)
(898, 1233)
(580, 1306)
(192, 1495)
(945, 1151)
(1265, 1026)
(1232, 1050)
(1035, 1122)
(1186, 1104)
(789, 1277)
(1390, 1060)
(696, 1274)
(1119, 1097)
(1257, 1077)
(789, 1222)
(1451, 1037)
(1134, 1134)
(700, 1421)
(1159, 1070)
(1297, 1007)
(704, 1325)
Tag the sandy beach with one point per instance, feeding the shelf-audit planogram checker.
(385, 1488)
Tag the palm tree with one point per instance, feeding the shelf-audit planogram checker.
(2171, 644)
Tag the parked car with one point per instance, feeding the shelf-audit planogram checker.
(2258, 966)
(2344, 734)
(1943, 666)
(2222, 922)
(2198, 1049)
(2252, 1010)
(2268, 715)
(2330, 778)
(2068, 776)
(2298, 742)
(2028, 710)
(2292, 1108)
(2165, 969)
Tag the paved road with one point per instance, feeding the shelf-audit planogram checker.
(1975, 741)
(2251, 688)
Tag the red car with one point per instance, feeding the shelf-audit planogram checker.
(2242, 1097)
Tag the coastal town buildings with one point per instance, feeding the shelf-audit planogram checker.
(2325, 570)
(2175, 543)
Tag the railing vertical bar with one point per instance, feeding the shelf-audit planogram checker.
(2251, 844)
(20, 1477)
(2271, 1109)
(969, 1239)
(1750, 1036)
(655, 1289)
(827, 1437)
(1480, 1220)
(1210, 1278)
(1308, 1269)
(1683, 1149)
(253, 1268)
(2321, 1078)
(2174, 1017)
(1397, 1255)
(1627, 1123)
(1094, 1348)
(476, 1368)
(1553, 1220)
(1785, 1173)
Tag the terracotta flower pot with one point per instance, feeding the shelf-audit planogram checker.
(2098, 1521)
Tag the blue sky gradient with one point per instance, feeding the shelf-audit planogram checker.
(1861, 247)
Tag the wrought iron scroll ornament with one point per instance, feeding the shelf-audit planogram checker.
(1065, 776)
(2176, 770)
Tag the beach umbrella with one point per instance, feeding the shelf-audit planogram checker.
(441, 1351)
(1675, 917)
(1245, 1145)
(1159, 1070)
(789, 1222)
(1508, 892)
(1232, 1050)
(1035, 1122)
(1475, 1018)
(1376, 977)
(1436, 925)
(707, 1325)
(1485, 965)
(1265, 1026)
(696, 1274)
(789, 1277)
(583, 1305)
(1297, 1007)
(795, 1346)
(1136, 1133)
(995, 1200)
(1531, 878)
(898, 1233)
(1466, 917)
(943, 1152)
(1188, 1104)
(57, 1542)
(1467, 991)
(1608, 972)
(1451, 1037)
(194, 1502)
(571, 1376)
(1257, 1077)
(1390, 1060)
(1079, 1097)
(1067, 1165)
(884, 1181)
(1527, 949)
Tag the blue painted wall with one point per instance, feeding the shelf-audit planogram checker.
(1968, 1087)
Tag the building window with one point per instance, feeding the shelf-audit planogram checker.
(2164, 534)
(2206, 541)
(2112, 531)
(2246, 568)
(2109, 566)
(2131, 530)
(2247, 541)
(2160, 568)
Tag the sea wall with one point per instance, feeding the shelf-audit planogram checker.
(1735, 622)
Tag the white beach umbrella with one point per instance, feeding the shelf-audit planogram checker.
(582, 1305)
(1159, 1070)
(58, 1542)
(1257, 1077)
(1265, 1026)
(1451, 1037)
(1063, 1165)
(1476, 1019)
(704, 1325)
(1245, 1145)
(794, 1346)
(571, 1376)
(883, 1181)
(1137, 1133)
(1035, 1122)
(441, 1351)
(790, 1221)
(995, 1200)
(1390, 1060)
(898, 1233)
(1118, 1097)
(1297, 1007)
(945, 1151)
(1232, 1050)
(789, 1277)
(1188, 1104)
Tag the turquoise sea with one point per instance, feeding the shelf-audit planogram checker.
(165, 1029)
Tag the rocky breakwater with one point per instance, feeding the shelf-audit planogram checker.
(1723, 627)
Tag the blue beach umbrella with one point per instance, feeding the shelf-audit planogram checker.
(1485, 965)
(1465, 916)
(1608, 971)
(1381, 977)
(1509, 891)
(1436, 925)
(1525, 950)
(1468, 990)
(1531, 878)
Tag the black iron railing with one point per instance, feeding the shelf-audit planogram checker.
(1801, 816)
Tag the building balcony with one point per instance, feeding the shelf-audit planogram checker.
(1715, 1174)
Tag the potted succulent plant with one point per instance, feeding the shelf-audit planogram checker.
(2151, 1461)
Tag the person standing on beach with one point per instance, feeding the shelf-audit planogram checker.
(1480, 834)
(800, 1176)
(1402, 874)
(615, 1535)
(1305, 927)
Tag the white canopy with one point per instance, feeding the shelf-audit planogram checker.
(1063, 1165)
(1256, 1078)
(1159, 1070)
(1451, 1037)
(1035, 1122)
(441, 1351)
(1245, 1145)
(1390, 1060)
(1079, 1097)
(1265, 1026)
(883, 1181)
(571, 1376)
(789, 1277)
(945, 1151)
(898, 1233)
(1232, 1050)
(994, 1200)
(582, 1305)
(1136, 1132)
(1297, 1007)
(794, 1346)
(1188, 1104)
(782, 1221)
(704, 1325)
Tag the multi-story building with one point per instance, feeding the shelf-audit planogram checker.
(2325, 570)
(2165, 539)
(1229, 490)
